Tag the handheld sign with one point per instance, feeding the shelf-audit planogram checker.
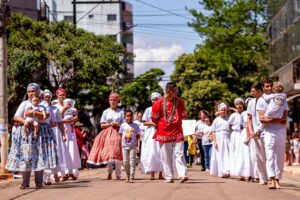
(188, 127)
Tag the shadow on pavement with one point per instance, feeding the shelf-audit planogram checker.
(24, 194)
(199, 182)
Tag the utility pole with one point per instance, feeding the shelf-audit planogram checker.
(3, 87)
(74, 13)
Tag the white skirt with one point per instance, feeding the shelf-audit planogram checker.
(235, 151)
(72, 153)
(244, 164)
(220, 164)
(150, 154)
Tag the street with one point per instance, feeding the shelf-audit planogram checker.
(92, 185)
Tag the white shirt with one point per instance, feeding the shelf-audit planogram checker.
(251, 110)
(199, 129)
(109, 115)
(220, 124)
(235, 121)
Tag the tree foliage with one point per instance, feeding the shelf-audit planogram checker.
(59, 55)
(137, 92)
(232, 56)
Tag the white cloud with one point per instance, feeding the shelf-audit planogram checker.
(146, 50)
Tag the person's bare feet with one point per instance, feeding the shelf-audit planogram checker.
(272, 185)
(131, 180)
(277, 185)
(109, 177)
(127, 180)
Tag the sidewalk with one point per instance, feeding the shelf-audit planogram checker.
(294, 169)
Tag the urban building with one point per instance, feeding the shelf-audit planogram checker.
(35, 9)
(113, 18)
(284, 32)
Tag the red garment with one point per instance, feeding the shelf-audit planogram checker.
(107, 147)
(79, 137)
(168, 131)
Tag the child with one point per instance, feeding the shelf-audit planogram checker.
(130, 143)
(277, 104)
(29, 121)
(192, 150)
(69, 114)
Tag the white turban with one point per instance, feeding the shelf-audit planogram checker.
(48, 93)
(221, 106)
(239, 99)
(155, 95)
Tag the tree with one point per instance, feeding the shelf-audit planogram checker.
(59, 55)
(137, 92)
(233, 54)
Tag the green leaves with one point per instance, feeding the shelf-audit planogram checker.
(137, 92)
(58, 55)
(232, 56)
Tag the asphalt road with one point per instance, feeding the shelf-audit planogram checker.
(92, 185)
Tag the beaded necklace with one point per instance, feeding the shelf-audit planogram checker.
(172, 111)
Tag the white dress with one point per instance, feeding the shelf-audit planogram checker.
(235, 142)
(220, 164)
(64, 157)
(73, 161)
(245, 163)
(150, 154)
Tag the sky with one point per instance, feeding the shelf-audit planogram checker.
(165, 42)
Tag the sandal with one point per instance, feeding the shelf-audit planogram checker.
(183, 179)
(47, 183)
(23, 187)
(74, 178)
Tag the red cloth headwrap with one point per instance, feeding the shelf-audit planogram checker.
(114, 96)
(61, 91)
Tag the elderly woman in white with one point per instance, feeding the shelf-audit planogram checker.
(150, 154)
(220, 163)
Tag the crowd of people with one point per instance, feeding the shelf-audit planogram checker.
(249, 141)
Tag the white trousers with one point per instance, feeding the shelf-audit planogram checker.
(275, 151)
(118, 165)
(260, 159)
(168, 150)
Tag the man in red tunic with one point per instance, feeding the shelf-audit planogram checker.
(167, 114)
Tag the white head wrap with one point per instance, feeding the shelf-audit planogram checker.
(221, 106)
(34, 86)
(155, 95)
(239, 99)
(71, 101)
(48, 93)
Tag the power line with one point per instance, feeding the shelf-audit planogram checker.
(170, 12)
(88, 12)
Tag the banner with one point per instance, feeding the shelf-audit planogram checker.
(188, 127)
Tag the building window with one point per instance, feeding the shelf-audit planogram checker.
(111, 17)
(68, 18)
(113, 37)
(297, 72)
